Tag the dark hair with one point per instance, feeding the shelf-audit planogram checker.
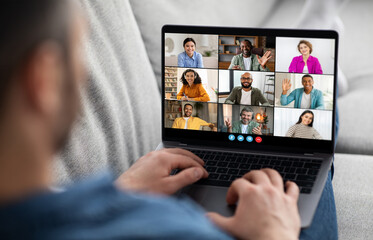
(250, 44)
(197, 78)
(189, 40)
(187, 105)
(307, 75)
(25, 25)
(246, 109)
(305, 42)
(300, 117)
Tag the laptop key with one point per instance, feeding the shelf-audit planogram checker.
(312, 165)
(234, 177)
(256, 166)
(312, 172)
(211, 163)
(233, 171)
(244, 166)
(290, 176)
(306, 178)
(222, 164)
(222, 170)
(211, 169)
(224, 177)
(243, 172)
(286, 164)
(298, 164)
(301, 170)
(233, 165)
(304, 184)
(213, 176)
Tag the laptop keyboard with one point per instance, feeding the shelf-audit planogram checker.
(225, 167)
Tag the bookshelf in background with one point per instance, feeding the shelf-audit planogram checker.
(170, 82)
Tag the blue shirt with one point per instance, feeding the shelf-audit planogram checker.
(183, 60)
(98, 210)
(317, 99)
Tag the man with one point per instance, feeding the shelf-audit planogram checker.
(248, 61)
(245, 126)
(189, 122)
(41, 71)
(306, 97)
(246, 94)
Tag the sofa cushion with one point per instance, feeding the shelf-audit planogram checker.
(353, 191)
(121, 106)
(356, 129)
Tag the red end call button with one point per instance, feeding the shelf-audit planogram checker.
(258, 139)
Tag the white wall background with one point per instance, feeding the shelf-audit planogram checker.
(204, 42)
(285, 118)
(323, 83)
(322, 49)
(209, 80)
(258, 79)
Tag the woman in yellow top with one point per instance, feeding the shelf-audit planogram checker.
(192, 89)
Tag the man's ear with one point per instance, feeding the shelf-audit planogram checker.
(42, 77)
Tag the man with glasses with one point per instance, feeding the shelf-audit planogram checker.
(246, 94)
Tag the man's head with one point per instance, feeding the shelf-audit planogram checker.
(246, 80)
(307, 82)
(41, 67)
(188, 110)
(246, 47)
(246, 115)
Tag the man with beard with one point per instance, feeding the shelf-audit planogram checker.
(305, 97)
(189, 122)
(248, 61)
(245, 126)
(41, 72)
(246, 94)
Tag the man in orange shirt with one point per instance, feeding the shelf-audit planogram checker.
(189, 122)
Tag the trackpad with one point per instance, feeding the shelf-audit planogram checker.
(212, 199)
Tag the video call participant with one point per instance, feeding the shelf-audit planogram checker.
(189, 122)
(305, 63)
(246, 94)
(304, 127)
(248, 61)
(192, 89)
(245, 125)
(306, 97)
(189, 58)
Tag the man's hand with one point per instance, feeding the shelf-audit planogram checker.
(236, 67)
(151, 173)
(264, 59)
(264, 210)
(286, 85)
(257, 130)
(228, 124)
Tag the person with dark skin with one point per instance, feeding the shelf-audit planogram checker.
(248, 61)
(40, 100)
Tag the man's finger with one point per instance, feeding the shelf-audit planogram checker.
(220, 221)
(275, 178)
(257, 177)
(292, 190)
(184, 178)
(185, 153)
(178, 161)
(235, 189)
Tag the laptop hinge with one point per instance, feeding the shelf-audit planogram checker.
(309, 154)
(183, 144)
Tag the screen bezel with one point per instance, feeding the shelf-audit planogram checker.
(272, 143)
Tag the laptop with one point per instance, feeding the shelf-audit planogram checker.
(244, 99)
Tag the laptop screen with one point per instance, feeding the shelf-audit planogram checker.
(249, 88)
